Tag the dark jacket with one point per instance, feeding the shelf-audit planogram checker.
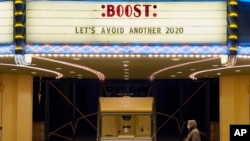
(194, 133)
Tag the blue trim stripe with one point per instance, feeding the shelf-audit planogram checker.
(134, 0)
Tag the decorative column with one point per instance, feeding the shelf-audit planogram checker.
(20, 33)
(232, 32)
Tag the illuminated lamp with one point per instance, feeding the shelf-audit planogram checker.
(233, 2)
(28, 59)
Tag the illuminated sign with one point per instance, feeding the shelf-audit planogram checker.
(6, 21)
(126, 22)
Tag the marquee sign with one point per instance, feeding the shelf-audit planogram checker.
(126, 22)
(6, 22)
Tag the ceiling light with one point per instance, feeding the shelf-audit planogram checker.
(33, 72)
(28, 58)
(125, 61)
(179, 72)
(85, 55)
(237, 70)
(125, 65)
(197, 56)
(72, 72)
(59, 68)
(125, 69)
(172, 75)
(224, 59)
(156, 55)
(126, 55)
(97, 55)
(215, 65)
(76, 58)
(175, 59)
(192, 69)
(126, 76)
(67, 55)
(218, 73)
(13, 69)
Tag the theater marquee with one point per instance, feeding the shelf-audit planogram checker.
(126, 22)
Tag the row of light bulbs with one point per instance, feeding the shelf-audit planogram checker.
(126, 55)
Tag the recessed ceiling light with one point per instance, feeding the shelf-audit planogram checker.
(125, 69)
(126, 72)
(126, 78)
(13, 69)
(76, 58)
(126, 75)
(218, 73)
(59, 68)
(192, 69)
(172, 75)
(125, 62)
(72, 72)
(79, 75)
(33, 72)
(179, 72)
(215, 65)
(175, 59)
(125, 65)
(237, 70)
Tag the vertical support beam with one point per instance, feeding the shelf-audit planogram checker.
(1, 104)
(181, 88)
(17, 107)
(74, 111)
(19, 25)
(207, 111)
(24, 107)
(234, 103)
(47, 111)
(232, 39)
(19, 32)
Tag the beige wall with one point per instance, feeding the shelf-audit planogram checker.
(17, 107)
(234, 103)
